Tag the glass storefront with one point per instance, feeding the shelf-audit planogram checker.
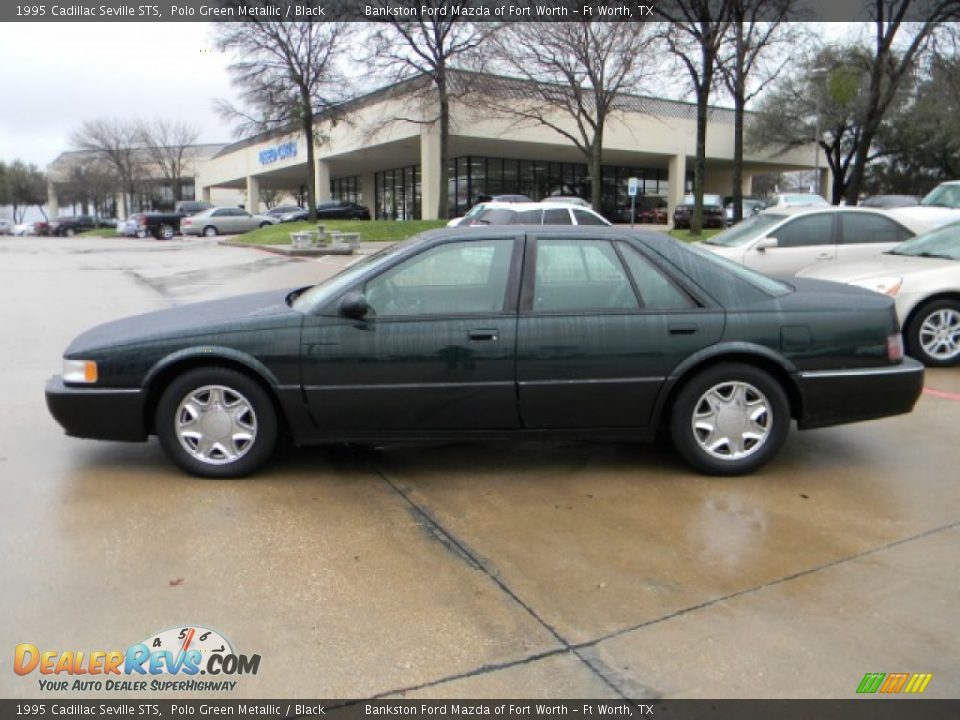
(398, 190)
(346, 188)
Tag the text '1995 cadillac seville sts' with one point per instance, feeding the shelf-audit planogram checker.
(500, 332)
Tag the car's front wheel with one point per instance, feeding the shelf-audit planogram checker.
(933, 336)
(730, 419)
(216, 423)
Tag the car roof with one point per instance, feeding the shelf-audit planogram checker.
(521, 206)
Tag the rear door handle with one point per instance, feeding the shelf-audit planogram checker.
(682, 329)
(824, 256)
(483, 335)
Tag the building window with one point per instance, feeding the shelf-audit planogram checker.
(346, 188)
(397, 194)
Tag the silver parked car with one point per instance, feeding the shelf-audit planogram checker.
(223, 221)
(783, 241)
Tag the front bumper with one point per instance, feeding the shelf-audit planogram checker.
(832, 397)
(98, 413)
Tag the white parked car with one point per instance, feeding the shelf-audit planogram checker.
(552, 213)
(6, 226)
(784, 241)
(785, 200)
(223, 221)
(938, 207)
(923, 277)
(24, 229)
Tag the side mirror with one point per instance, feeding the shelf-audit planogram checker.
(766, 244)
(354, 305)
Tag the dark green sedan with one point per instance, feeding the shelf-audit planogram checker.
(505, 332)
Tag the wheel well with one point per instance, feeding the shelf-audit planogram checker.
(955, 296)
(758, 361)
(163, 378)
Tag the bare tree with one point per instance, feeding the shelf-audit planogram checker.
(695, 36)
(429, 48)
(167, 144)
(90, 183)
(115, 143)
(577, 75)
(896, 48)
(287, 77)
(757, 27)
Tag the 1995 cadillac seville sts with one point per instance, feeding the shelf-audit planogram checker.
(497, 332)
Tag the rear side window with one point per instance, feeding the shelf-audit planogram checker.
(580, 275)
(528, 217)
(556, 216)
(585, 218)
(657, 291)
(806, 231)
(869, 228)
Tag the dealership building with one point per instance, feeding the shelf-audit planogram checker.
(384, 152)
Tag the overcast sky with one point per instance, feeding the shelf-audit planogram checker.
(53, 76)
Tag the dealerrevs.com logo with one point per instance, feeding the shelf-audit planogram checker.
(171, 660)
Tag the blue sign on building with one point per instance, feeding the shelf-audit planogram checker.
(280, 152)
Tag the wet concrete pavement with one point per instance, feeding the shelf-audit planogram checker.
(556, 569)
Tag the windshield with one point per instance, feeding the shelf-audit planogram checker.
(322, 292)
(943, 242)
(750, 229)
(943, 196)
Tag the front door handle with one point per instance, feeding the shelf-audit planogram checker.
(483, 335)
(682, 329)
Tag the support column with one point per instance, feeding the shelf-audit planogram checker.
(826, 184)
(430, 173)
(746, 184)
(53, 202)
(368, 192)
(253, 194)
(205, 193)
(322, 176)
(120, 200)
(676, 178)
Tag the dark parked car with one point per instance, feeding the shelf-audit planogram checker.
(280, 210)
(67, 226)
(713, 212)
(333, 210)
(501, 332)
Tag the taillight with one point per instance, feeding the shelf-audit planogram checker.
(895, 347)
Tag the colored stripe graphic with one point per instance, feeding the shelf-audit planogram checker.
(871, 682)
(894, 683)
(918, 683)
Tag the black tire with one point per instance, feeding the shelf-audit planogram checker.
(69, 232)
(758, 387)
(166, 232)
(933, 313)
(189, 453)
(210, 231)
(264, 224)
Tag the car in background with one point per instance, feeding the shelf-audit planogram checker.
(788, 200)
(651, 210)
(938, 207)
(885, 202)
(567, 199)
(40, 227)
(280, 210)
(748, 207)
(129, 226)
(783, 241)
(222, 221)
(497, 333)
(191, 207)
(23, 229)
(713, 213)
(923, 277)
(68, 226)
(331, 210)
(534, 214)
(506, 197)
(482, 201)
(6, 226)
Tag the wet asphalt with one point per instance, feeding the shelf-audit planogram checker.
(560, 569)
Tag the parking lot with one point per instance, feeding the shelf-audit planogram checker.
(560, 569)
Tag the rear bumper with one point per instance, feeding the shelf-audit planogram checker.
(832, 397)
(99, 413)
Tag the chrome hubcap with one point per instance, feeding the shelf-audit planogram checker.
(940, 334)
(216, 424)
(732, 420)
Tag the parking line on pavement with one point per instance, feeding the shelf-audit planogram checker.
(941, 394)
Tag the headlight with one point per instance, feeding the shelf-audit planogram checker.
(883, 285)
(79, 371)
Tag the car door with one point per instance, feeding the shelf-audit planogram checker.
(600, 327)
(866, 234)
(435, 351)
(801, 241)
(223, 220)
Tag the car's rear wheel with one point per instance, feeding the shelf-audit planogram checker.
(210, 231)
(264, 224)
(730, 419)
(216, 423)
(167, 232)
(933, 336)
(69, 232)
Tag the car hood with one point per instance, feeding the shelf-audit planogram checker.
(880, 266)
(223, 315)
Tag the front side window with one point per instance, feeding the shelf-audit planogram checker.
(580, 275)
(450, 279)
(806, 231)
